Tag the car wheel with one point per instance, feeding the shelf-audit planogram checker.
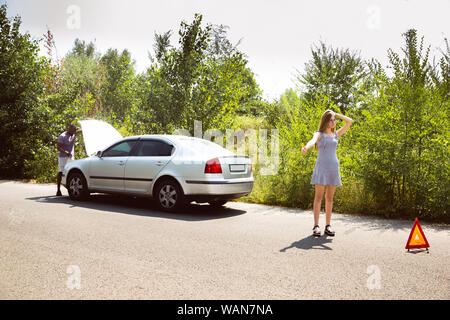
(168, 195)
(218, 203)
(77, 187)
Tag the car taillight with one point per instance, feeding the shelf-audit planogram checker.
(213, 166)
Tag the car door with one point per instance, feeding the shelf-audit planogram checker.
(144, 164)
(107, 172)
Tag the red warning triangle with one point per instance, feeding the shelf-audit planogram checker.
(417, 238)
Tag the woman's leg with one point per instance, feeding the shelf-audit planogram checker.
(329, 202)
(318, 202)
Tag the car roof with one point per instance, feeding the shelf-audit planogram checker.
(189, 145)
(171, 137)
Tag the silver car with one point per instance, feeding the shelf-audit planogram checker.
(172, 169)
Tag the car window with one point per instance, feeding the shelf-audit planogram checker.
(119, 150)
(153, 148)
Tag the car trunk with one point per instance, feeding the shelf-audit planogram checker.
(235, 167)
(200, 151)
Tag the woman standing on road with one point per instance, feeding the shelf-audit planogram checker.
(326, 171)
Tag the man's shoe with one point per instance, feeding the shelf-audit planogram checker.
(58, 193)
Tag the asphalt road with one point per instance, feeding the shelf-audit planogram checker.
(123, 248)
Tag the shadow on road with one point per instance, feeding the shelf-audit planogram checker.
(311, 242)
(416, 251)
(142, 207)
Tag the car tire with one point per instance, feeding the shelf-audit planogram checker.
(218, 203)
(77, 187)
(168, 195)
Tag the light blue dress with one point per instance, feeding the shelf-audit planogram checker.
(326, 171)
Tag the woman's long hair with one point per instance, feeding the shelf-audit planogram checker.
(326, 117)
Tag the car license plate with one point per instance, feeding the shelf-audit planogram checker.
(237, 167)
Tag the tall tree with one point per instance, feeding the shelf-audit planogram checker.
(204, 78)
(82, 72)
(118, 87)
(81, 48)
(336, 73)
(21, 84)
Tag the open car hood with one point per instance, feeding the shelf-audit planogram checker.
(98, 135)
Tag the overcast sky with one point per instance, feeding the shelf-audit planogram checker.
(276, 35)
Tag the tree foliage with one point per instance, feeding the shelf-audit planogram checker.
(21, 74)
(337, 73)
(204, 78)
(406, 134)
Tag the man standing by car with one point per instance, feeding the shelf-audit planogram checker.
(66, 148)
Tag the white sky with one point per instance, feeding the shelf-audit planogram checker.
(276, 35)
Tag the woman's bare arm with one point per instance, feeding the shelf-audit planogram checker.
(348, 123)
(311, 142)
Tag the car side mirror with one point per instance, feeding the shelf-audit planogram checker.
(99, 154)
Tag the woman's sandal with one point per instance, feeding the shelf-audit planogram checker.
(316, 231)
(328, 232)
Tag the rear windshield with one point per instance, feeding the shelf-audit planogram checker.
(200, 146)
